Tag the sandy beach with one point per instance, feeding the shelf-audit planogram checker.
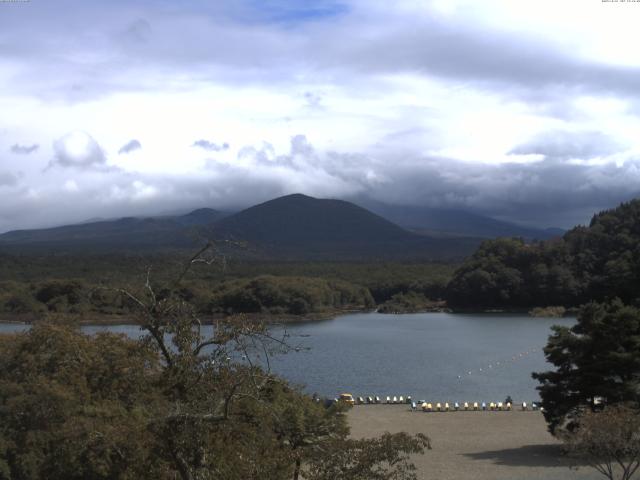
(474, 445)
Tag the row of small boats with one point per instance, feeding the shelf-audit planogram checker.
(439, 406)
(348, 398)
(475, 406)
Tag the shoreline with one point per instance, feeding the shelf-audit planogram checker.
(267, 318)
(104, 319)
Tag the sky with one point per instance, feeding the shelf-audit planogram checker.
(527, 111)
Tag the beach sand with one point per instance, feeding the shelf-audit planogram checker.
(474, 445)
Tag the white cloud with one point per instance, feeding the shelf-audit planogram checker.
(71, 186)
(417, 101)
(78, 150)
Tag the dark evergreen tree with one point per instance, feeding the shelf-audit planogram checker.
(597, 358)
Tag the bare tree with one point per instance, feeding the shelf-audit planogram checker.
(206, 368)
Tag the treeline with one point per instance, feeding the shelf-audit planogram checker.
(264, 294)
(91, 286)
(597, 262)
(292, 295)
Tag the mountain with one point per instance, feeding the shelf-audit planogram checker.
(454, 222)
(294, 227)
(297, 226)
(124, 234)
(201, 216)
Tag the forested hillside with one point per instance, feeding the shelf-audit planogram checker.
(32, 287)
(588, 263)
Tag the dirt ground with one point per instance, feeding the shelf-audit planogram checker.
(474, 445)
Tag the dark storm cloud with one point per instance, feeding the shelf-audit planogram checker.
(138, 31)
(8, 179)
(546, 193)
(563, 145)
(210, 146)
(130, 146)
(470, 55)
(24, 149)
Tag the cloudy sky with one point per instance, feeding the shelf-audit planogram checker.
(524, 110)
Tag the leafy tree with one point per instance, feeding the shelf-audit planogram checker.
(71, 406)
(597, 358)
(608, 441)
(184, 401)
(383, 458)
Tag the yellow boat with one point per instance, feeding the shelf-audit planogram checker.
(346, 398)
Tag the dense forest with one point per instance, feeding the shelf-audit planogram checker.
(597, 262)
(90, 285)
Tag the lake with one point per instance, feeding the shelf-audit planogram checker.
(435, 356)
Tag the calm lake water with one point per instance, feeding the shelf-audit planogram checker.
(435, 356)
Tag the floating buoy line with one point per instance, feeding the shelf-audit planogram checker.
(500, 363)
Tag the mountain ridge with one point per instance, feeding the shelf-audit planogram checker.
(293, 227)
